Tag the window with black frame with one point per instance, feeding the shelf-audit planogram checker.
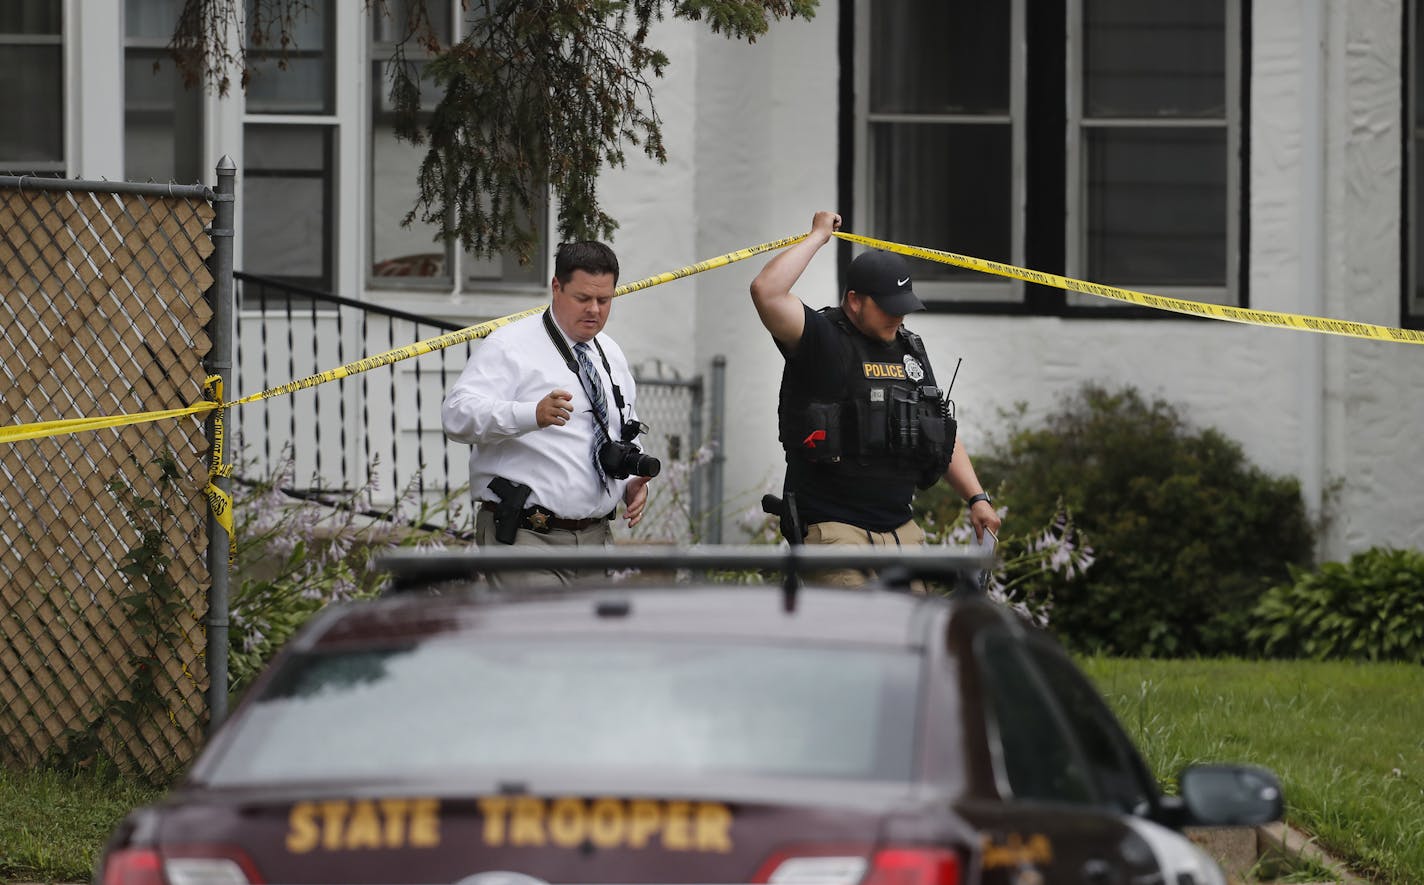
(32, 87)
(410, 256)
(1414, 149)
(163, 120)
(289, 160)
(1113, 764)
(1036, 750)
(1098, 139)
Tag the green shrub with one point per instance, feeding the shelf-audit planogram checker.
(297, 554)
(1187, 534)
(1036, 562)
(1371, 608)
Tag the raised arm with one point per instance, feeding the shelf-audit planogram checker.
(781, 312)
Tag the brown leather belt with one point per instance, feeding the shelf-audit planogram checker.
(540, 520)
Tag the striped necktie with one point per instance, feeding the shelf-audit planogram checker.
(593, 385)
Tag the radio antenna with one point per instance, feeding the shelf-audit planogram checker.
(952, 377)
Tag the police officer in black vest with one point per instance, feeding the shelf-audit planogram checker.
(861, 417)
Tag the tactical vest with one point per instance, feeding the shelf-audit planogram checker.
(891, 418)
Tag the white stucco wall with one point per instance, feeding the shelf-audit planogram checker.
(1323, 239)
(767, 160)
(1374, 421)
(656, 206)
(752, 138)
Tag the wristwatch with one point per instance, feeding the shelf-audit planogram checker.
(975, 499)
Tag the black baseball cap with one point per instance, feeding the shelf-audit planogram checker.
(885, 277)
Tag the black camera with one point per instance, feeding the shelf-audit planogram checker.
(623, 458)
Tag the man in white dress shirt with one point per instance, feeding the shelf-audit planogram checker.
(538, 402)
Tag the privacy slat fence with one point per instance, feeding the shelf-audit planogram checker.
(112, 619)
(103, 578)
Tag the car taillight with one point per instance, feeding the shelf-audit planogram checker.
(913, 866)
(180, 866)
(848, 865)
(133, 866)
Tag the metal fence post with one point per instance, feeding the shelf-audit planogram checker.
(697, 506)
(718, 442)
(220, 363)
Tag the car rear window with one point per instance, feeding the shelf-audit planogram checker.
(686, 707)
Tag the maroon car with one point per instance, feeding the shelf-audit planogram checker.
(675, 733)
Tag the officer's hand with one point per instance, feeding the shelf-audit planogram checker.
(635, 496)
(825, 223)
(983, 516)
(556, 408)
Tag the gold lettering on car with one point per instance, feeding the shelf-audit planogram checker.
(884, 370)
(1016, 851)
(569, 822)
(333, 816)
(677, 834)
(607, 824)
(363, 824)
(302, 829)
(493, 809)
(526, 825)
(424, 823)
(394, 811)
(365, 828)
(646, 817)
(714, 825)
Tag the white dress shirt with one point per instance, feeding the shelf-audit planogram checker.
(491, 406)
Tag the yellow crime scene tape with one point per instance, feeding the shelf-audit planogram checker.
(1268, 318)
(1271, 319)
(219, 499)
(42, 429)
(482, 330)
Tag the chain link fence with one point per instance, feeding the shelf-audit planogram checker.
(675, 411)
(103, 573)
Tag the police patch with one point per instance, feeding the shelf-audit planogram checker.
(884, 370)
(913, 368)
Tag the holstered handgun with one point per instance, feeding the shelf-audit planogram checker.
(795, 536)
(791, 528)
(510, 512)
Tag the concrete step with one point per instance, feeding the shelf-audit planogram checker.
(1240, 850)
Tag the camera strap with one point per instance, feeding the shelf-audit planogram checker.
(562, 346)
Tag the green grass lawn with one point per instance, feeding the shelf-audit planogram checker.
(53, 826)
(1346, 739)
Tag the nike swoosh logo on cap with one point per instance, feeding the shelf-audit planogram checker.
(902, 282)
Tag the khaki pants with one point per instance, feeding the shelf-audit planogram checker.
(907, 535)
(597, 535)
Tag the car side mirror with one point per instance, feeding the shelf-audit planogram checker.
(1230, 795)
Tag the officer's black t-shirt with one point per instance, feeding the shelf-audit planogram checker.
(842, 491)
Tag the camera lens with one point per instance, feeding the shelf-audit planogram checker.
(623, 459)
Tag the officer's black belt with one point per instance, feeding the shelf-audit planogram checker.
(540, 520)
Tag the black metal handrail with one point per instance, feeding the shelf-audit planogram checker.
(302, 331)
(330, 298)
(283, 357)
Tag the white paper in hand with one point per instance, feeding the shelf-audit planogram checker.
(984, 546)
